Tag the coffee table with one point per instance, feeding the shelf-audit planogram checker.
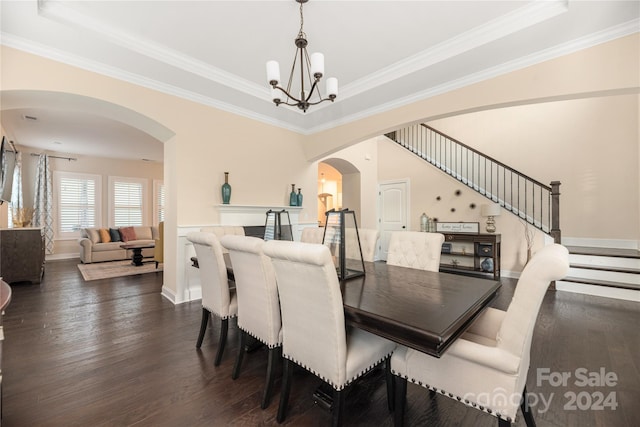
(136, 249)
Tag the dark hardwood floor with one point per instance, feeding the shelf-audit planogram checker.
(115, 353)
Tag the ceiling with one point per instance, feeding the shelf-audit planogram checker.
(384, 53)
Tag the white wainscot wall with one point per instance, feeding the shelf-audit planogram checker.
(189, 287)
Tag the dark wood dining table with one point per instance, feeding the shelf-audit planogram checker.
(420, 309)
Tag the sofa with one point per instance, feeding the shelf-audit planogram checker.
(103, 244)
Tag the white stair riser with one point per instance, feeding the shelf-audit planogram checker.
(603, 291)
(611, 276)
(604, 261)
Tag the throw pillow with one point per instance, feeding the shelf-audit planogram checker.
(115, 235)
(105, 237)
(93, 235)
(143, 233)
(127, 233)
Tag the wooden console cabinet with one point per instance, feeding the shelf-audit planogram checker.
(467, 254)
(21, 255)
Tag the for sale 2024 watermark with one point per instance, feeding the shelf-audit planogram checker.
(595, 392)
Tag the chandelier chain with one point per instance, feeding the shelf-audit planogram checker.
(308, 77)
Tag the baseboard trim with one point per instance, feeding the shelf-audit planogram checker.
(510, 274)
(169, 295)
(59, 257)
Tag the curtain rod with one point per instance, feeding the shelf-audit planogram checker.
(57, 157)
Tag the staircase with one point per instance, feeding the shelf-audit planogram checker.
(613, 273)
(534, 202)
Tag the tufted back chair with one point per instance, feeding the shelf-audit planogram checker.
(314, 333)
(415, 249)
(312, 235)
(216, 296)
(486, 368)
(368, 242)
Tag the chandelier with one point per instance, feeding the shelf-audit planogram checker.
(311, 69)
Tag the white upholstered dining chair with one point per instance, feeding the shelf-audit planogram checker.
(315, 336)
(312, 234)
(415, 249)
(216, 297)
(258, 303)
(368, 242)
(486, 368)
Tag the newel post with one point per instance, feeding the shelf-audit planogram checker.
(555, 211)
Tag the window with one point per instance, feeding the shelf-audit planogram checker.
(77, 202)
(158, 201)
(127, 198)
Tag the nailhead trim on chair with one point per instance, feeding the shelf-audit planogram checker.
(340, 387)
(458, 398)
(270, 346)
(221, 317)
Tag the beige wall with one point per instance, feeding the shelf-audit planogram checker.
(104, 167)
(427, 183)
(609, 68)
(589, 145)
(264, 160)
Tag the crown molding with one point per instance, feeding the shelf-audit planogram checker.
(594, 39)
(517, 20)
(509, 23)
(44, 51)
(618, 31)
(66, 15)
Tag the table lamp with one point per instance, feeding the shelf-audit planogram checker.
(490, 211)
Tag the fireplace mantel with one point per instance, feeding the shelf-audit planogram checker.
(252, 214)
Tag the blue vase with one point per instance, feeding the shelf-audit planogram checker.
(487, 265)
(226, 189)
(293, 197)
(299, 198)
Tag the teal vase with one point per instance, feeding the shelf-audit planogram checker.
(293, 197)
(299, 197)
(226, 189)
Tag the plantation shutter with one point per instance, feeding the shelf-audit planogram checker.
(159, 200)
(77, 204)
(127, 203)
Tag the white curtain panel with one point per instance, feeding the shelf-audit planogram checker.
(3, 169)
(16, 189)
(43, 202)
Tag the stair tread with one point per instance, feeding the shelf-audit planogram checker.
(611, 252)
(601, 283)
(607, 268)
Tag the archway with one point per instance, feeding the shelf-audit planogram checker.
(341, 187)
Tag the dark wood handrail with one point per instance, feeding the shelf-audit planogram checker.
(544, 216)
(499, 163)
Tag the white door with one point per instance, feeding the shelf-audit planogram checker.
(393, 209)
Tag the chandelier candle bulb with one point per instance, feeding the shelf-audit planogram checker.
(317, 65)
(273, 72)
(332, 87)
(276, 95)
